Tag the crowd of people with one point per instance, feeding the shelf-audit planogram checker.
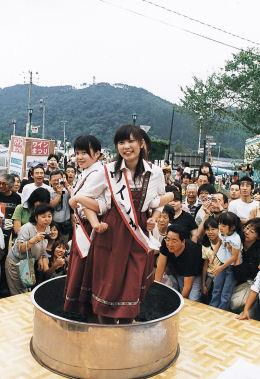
(140, 222)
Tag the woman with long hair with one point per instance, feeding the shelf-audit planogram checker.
(119, 268)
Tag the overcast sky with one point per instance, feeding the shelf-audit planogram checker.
(70, 41)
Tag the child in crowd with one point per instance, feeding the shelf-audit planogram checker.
(209, 245)
(228, 251)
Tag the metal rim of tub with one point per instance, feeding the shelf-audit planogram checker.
(102, 325)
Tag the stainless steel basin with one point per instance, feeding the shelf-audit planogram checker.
(89, 350)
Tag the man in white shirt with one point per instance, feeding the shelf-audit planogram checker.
(38, 177)
(243, 206)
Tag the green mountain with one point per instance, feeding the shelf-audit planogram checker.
(99, 109)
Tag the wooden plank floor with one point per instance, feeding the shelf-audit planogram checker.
(210, 341)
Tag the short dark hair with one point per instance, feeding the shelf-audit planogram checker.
(39, 210)
(53, 156)
(59, 242)
(39, 165)
(183, 234)
(248, 180)
(207, 188)
(169, 211)
(186, 175)
(70, 166)
(211, 222)
(177, 196)
(87, 142)
(225, 198)
(39, 194)
(55, 172)
(255, 223)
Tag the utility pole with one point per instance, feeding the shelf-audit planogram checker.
(134, 117)
(43, 108)
(29, 106)
(64, 122)
(170, 138)
(14, 126)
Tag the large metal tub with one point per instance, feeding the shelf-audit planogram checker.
(89, 350)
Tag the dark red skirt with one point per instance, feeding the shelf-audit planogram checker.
(117, 272)
(76, 269)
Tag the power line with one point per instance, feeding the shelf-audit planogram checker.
(200, 22)
(171, 25)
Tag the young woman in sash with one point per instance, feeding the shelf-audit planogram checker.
(87, 151)
(120, 262)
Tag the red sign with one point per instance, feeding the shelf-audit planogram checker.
(40, 147)
(18, 145)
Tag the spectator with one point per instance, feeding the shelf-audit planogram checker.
(235, 177)
(167, 166)
(178, 174)
(187, 169)
(205, 168)
(70, 173)
(211, 261)
(228, 251)
(185, 181)
(183, 219)
(52, 164)
(255, 212)
(246, 271)
(204, 193)
(252, 306)
(54, 236)
(17, 183)
(192, 203)
(163, 221)
(60, 203)
(184, 260)
(32, 237)
(38, 181)
(234, 191)
(217, 204)
(22, 212)
(8, 201)
(243, 206)
(202, 179)
(57, 262)
(27, 180)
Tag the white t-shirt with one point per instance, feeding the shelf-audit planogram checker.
(256, 285)
(242, 209)
(234, 240)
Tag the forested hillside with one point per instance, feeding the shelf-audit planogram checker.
(99, 109)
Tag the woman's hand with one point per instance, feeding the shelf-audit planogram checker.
(217, 270)
(59, 262)
(40, 236)
(244, 315)
(150, 224)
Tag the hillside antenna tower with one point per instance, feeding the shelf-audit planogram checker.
(94, 80)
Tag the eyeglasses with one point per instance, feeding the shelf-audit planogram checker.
(3, 183)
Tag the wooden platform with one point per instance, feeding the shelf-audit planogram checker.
(210, 341)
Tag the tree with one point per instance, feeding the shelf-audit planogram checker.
(233, 93)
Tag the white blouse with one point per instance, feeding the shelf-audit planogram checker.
(96, 186)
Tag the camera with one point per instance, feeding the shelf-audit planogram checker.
(47, 236)
(61, 182)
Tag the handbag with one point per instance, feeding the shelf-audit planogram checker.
(26, 270)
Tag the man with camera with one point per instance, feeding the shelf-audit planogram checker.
(60, 202)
